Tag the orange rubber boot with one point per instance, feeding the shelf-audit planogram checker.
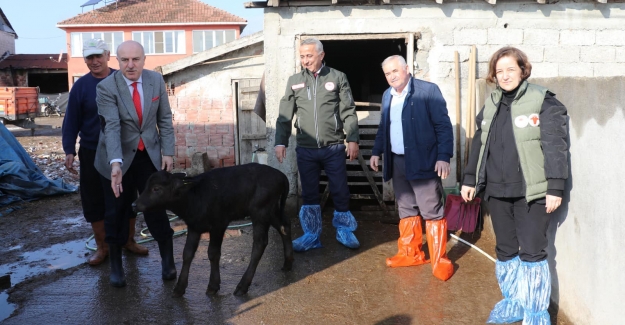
(409, 244)
(436, 232)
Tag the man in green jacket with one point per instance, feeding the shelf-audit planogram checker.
(326, 118)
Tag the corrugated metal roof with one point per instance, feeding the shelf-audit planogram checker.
(35, 61)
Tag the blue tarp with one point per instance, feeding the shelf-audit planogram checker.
(20, 178)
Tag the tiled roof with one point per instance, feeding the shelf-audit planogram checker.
(35, 61)
(153, 12)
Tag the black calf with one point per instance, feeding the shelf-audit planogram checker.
(210, 201)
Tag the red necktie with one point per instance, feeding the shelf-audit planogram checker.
(315, 74)
(136, 99)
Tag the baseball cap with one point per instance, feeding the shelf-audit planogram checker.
(94, 46)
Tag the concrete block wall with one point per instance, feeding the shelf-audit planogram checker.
(203, 108)
(567, 39)
(7, 42)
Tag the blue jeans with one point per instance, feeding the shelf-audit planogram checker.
(310, 162)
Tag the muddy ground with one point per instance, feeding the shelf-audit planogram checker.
(332, 285)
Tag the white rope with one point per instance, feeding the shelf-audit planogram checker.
(478, 249)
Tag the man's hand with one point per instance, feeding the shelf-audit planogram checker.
(468, 193)
(280, 153)
(69, 162)
(442, 168)
(552, 203)
(116, 179)
(352, 150)
(167, 163)
(374, 162)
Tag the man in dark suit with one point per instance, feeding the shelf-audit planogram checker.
(416, 138)
(136, 130)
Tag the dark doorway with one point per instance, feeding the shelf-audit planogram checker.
(49, 83)
(361, 61)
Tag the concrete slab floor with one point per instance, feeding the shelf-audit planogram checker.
(331, 285)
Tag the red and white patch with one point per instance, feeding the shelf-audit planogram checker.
(521, 121)
(329, 85)
(298, 86)
(534, 120)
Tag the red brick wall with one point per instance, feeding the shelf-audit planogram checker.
(203, 125)
(7, 80)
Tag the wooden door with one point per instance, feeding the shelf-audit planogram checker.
(251, 128)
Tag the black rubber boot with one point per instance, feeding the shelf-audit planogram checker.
(117, 277)
(166, 248)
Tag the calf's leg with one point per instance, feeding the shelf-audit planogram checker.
(214, 254)
(287, 243)
(190, 247)
(258, 248)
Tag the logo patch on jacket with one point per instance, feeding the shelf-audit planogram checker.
(329, 85)
(521, 121)
(298, 86)
(534, 120)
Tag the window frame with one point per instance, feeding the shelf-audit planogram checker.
(112, 48)
(214, 31)
(178, 38)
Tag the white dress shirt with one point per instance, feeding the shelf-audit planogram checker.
(396, 131)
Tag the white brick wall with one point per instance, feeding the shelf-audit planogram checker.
(611, 37)
(505, 36)
(609, 69)
(562, 54)
(544, 70)
(598, 54)
(620, 54)
(575, 70)
(577, 37)
(541, 36)
(470, 36)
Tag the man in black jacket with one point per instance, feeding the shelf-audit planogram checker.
(322, 99)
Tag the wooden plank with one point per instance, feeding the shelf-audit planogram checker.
(388, 193)
(367, 104)
(367, 131)
(248, 104)
(260, 136)
(355, 162)
(369, 143)
(346, 37)
(255, 4)
(365, 152)
(324, 197)
(352, 183)
(357, 173)
(362, 197)
(368, 117)
(376, 192)
(250, 90)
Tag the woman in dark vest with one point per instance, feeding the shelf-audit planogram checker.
(519, 159)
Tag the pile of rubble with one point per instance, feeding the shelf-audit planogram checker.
(49, 157)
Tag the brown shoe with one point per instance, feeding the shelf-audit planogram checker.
(132, 245)
(102, 250)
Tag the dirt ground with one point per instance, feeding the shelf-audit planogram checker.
(332, 285)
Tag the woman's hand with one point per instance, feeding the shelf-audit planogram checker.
(552, 203)
(468, 193)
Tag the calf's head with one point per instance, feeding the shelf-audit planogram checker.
(162, 190)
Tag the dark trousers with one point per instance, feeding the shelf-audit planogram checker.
(518, 224)
(91, 194)
(310, 162)
(417, 197)
(119, 210)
